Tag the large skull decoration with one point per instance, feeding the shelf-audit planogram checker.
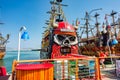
(65, 35)
(65, 40)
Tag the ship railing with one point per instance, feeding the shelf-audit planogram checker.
(65, 69)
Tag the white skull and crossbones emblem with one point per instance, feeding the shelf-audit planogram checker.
(65, 40)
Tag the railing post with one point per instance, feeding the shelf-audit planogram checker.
(13, 70)
(97, 69)
(76, 72)
(63, 70)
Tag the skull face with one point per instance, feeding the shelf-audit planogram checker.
(65, 40)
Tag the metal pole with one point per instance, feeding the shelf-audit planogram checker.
(19, 38)
(19, 35)
(109, 49)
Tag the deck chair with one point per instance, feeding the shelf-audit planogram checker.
(118, 68)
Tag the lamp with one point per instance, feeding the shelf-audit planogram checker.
(114, 42)
(24, 36)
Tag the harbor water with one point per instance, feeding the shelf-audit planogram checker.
(12, 55)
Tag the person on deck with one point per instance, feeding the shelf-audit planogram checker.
(102, 60)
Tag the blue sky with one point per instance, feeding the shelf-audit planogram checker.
(32, 14)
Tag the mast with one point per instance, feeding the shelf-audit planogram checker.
(97, 24)
(2, 39)
(1, 16)
(57, 14)
(119, 23)
(87, 17)
(113, 20)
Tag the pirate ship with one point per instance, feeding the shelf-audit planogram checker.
(106, 39)
(3, 42)
(60, 38)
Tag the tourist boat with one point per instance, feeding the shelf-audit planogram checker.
(60, 38)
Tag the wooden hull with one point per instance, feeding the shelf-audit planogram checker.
(2, 54)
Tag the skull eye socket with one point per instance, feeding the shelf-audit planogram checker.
(60, 37)
(72, 38)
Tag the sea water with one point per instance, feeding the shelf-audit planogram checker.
(12, 55)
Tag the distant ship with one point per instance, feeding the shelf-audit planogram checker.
(3, 42)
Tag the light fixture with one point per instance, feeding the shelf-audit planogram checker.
(24, 36)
